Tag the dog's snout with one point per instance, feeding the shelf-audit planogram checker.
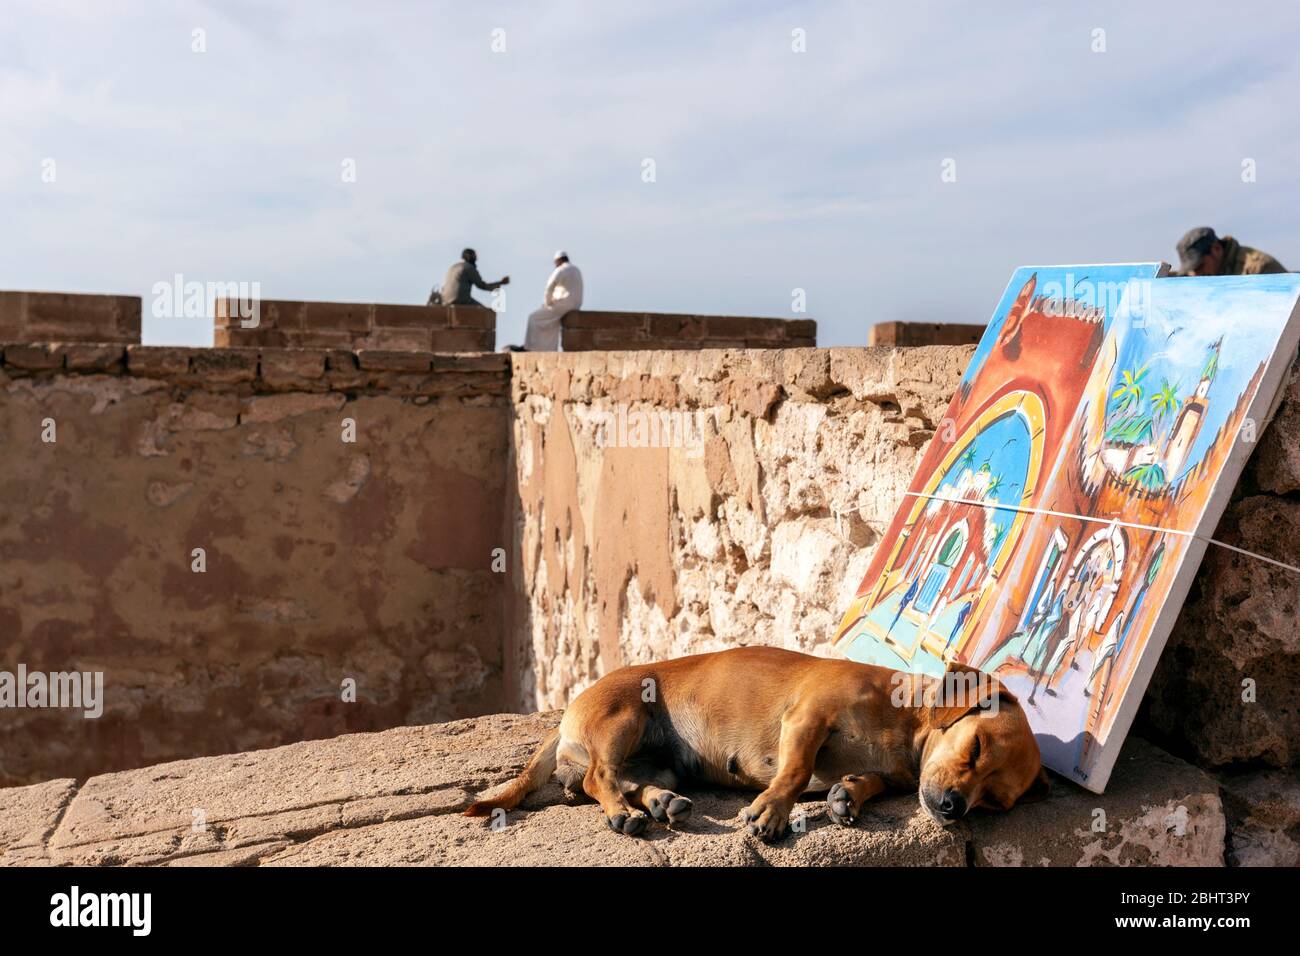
(953, 805)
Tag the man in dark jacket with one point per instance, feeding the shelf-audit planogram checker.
(461, 279)
(1202, 253)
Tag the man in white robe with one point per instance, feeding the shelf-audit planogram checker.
(563, 295)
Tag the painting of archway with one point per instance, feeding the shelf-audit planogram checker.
(1051, 534)
(957, 537)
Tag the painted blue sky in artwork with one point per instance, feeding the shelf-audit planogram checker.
(1004, 447)
(1184, 318)
(1090, 284)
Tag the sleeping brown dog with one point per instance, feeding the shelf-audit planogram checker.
(761, 718)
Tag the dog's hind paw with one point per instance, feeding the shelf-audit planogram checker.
(839, 805)
(629, 824)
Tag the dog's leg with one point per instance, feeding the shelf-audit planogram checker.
(802, 735)
(613, 740)
(846, 798)
(654, 791)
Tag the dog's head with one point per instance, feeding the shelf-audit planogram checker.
(979, 750)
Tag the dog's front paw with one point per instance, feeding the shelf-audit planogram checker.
(670, 808)
(629, 824)
(839, 805)
(765, 819)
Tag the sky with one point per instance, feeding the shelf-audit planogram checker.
(895, 162)
(1186, 317)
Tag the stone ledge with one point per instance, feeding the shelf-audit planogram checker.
(923, 333)
(255, 371)
(1157, 811)
(392, 798)
(585, 330)
(909, 384)
(286, 323)
(69, 317)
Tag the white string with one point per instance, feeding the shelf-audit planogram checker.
(1126, 524)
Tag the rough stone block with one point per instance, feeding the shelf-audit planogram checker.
(1224, 690)
(152, 361)
(1275, 466)
(413, 339)
(468, 317)
(282, 368)
(321, 339)
(394, 361)
(1263, 810)
(69, 317)
(338, 316)
(496, 362)
(94, 358)
(1157, 811)
(35, 357)
(583, 319)
(576, 340)
(909, 334)
(463, 340)
(28, 817)
(411, 317)
(218, 366)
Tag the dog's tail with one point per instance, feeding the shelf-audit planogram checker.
(538, 771)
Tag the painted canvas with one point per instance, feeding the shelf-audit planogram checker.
(1054, 525)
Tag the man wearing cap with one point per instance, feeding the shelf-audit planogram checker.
(563, 295)
(461, 279)
(1202, 253)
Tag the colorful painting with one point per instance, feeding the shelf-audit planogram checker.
(1058, 516)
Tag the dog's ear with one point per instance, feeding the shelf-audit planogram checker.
(1038, 790)
(954, 697)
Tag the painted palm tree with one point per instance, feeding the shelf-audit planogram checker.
(1130, 391)
(1165, 403)
(994, 534)
(967, 459)
(1150, 476)
(999, 535)
(994, 486)
(1137, 428)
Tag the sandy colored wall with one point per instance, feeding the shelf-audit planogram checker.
(324, 560)
(750, 530)
(747, 513)
(761, 533)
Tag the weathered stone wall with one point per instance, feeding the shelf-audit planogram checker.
(585, 330)
(1227, 689)
(325, 560)
(754, 527)
(69, 317)
(760, 533)
(282, 323)
(924, 333)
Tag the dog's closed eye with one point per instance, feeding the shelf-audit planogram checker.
(975, 750)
